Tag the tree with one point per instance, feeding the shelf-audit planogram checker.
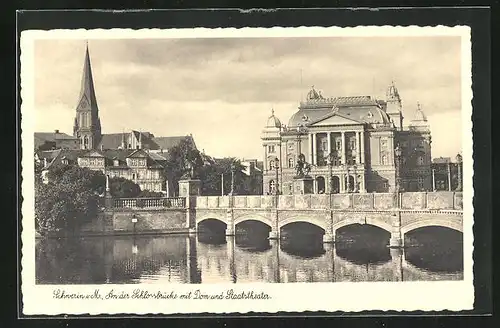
(72, 197)
(123, 188)
(180, 158)
(212, 177)
(69, 200)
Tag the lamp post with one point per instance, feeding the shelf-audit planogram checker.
(397, 152)
(277, 168)
(330, 173)
(232, 177)
(459, 172)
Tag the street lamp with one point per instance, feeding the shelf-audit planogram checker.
(233, 168)
(397, 152)
(459, 172)
(276, 184)
(330, 172)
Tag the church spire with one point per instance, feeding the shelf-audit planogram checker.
(87, 88)
(87, 127)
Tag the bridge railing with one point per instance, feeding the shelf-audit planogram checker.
(148, 203)
(357, 201)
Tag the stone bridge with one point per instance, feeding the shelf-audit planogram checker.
(396, 213)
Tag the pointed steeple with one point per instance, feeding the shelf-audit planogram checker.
(87, 88)
(87, 126)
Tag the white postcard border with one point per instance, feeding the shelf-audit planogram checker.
(291, 297)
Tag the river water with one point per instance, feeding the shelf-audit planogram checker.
(220, 259)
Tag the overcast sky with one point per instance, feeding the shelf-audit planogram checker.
(222, 90)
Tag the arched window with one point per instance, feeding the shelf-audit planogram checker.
(420, 160)
(384, 159)
(272, 186)
(85, 142)
(290, 163)
(271, 164)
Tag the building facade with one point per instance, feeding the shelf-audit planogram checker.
(139, 166)
(138, 156)
(354, 144)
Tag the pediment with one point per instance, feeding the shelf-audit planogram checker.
(93, 154)
(138, 154)
(334, 119)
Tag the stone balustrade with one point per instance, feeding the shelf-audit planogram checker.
(441, 200)
(149, 203)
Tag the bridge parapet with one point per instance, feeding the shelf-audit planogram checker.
(369, 201)
(149, 203)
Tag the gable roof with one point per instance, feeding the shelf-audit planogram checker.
(53, 136)
(335, 118)
(169, 142)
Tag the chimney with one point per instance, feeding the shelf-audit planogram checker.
(56, 131)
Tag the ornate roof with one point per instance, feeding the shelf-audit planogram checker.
(360, 108)
(273, 121)
(419, 115)
(392, 92)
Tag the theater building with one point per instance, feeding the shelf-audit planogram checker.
(354, 144)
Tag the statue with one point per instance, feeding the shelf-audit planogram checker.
(189, 171)
(302, 168)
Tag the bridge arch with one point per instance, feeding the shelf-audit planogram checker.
(323, 224)
(453, 224)
(211, 217)
(373, 222)
(253, 217)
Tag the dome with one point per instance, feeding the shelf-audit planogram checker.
(392, 92)
(419, 115)
(273, 121)
(312, 94)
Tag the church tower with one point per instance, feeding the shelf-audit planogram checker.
(394, 106)
(87, 127)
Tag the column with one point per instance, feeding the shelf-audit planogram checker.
(362, 148)
(433, 180)
(314, 148)
(396, 237)
(357, 148)
(363, 185)
(343, 147)
(449, 176)
(355, 189)
(310, 148)
(341, 184)
(265, 159)
(329, 136)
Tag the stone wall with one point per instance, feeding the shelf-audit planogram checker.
(358, 201)
(148, 221)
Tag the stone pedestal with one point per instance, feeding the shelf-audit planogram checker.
(303, 185)
(395, 241)
(273, 235)
(328, 238)
(189, 187)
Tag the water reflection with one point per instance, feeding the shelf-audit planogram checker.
(218, 259)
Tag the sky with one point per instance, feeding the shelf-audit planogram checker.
(222, 90)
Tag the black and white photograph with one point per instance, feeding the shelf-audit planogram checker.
(246, 166)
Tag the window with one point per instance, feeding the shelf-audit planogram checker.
(339, 145)
(324, 145)
(65, 161)
(420, 160)
(272, 186)
(271, 164)
(85, 142)
(353, 145)
(386, 186)
(420, 181)
(270, 148)
(384, 159)
(290, 163)
(133, 176)
(383, 144)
